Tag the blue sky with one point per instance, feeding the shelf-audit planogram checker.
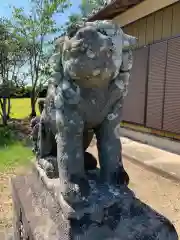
(5, 11)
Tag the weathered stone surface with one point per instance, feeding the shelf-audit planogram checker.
(42, 217)
(90, 73)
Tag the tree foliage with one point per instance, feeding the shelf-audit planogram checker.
(87, 7)
(11, 61)
(34, 30)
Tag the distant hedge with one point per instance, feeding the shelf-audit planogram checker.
(25, 92)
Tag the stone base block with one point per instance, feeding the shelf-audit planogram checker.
(38, 216)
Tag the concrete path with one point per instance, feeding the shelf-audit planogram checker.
(160, 193)
(162, 162)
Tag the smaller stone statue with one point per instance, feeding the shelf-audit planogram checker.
(35, 127)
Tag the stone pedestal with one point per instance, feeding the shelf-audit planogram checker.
(38, 216)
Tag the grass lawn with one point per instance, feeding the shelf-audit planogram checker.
(14, 152)
(20, 108)
(15, 158)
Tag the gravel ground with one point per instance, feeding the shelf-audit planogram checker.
(161, 194)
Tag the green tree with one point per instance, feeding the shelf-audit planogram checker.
(87, 7)
(11, 61)
(35, 30)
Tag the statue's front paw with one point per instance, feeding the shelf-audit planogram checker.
(120, 177)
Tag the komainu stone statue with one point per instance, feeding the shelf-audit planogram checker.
(90, 72)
